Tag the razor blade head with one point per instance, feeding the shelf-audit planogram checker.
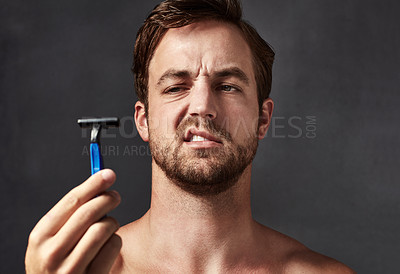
(104, 122)
(96, 124)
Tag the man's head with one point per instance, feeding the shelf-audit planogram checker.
(200, 106)
(178, 13)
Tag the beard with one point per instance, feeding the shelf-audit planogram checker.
(205, 171)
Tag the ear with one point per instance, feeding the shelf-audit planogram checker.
(141, 121)
(265, 117)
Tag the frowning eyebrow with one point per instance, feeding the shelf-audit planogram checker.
(173, 74)
(233, 72)
(227, 72)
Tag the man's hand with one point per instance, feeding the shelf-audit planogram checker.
(74, 236)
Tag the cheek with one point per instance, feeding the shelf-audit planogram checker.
(163, 121)
(240, 121)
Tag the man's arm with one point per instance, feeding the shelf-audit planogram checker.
(74, 236)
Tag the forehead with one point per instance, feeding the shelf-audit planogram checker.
(202, 48)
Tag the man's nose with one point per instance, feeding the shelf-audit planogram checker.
(203, 102)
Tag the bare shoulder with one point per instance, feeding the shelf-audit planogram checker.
(130, 244)
(294, 257)
(308, 261)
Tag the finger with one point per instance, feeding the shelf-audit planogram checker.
(89, 213)
(91, 243)
(107, 255)
(62, 211)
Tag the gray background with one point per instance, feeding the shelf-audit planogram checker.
(335, 60)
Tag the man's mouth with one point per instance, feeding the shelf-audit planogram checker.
(195, 135)
(196, 138)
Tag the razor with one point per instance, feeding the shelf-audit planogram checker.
(96, 124)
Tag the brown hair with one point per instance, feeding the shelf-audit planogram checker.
(179, 13)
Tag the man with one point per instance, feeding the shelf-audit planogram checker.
(203, 78)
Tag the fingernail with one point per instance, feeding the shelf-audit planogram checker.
(107, 174)
(115, 194)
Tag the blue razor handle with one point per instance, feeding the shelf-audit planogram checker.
(96, 161)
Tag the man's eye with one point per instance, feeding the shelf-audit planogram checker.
(227, 88)
(174, 90)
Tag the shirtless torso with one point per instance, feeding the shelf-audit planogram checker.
(269, 252)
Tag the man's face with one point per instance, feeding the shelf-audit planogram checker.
(203, 108)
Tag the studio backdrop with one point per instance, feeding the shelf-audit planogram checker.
(326, 174)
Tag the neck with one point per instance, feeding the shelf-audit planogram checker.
(199, 229)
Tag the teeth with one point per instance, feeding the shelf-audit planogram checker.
(196, 138)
